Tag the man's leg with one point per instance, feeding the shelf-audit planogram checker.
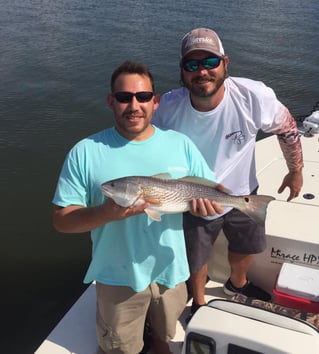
(245, 238)
(200, 235)
(159, 346)
(166, 307)
(238, 282)
(239, 264)
(120, 318)
(196, 284)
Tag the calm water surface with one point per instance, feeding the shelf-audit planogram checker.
(56, 61)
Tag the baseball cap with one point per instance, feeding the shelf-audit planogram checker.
(202, 39)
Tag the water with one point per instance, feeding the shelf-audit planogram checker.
(55, 64)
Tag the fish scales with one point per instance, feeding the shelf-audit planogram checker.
(171, 195)
(170, 191)
(175, 195)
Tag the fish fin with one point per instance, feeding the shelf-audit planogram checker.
(164, 175)
(205, 182)
(153, 214)
(153, 201)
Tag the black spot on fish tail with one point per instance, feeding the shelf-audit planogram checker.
(255, 207)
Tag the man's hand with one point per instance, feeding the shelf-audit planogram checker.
(294, 181)
(116, 212)
(205, 207)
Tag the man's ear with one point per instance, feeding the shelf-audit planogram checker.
(110, 100)
(157, 98)
(226, 61)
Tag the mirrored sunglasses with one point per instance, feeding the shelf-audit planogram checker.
(208, 63)
(126, 97)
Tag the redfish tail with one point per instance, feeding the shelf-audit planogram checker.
(255, 206)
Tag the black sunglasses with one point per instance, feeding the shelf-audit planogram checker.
(192, 65)
(126, 97)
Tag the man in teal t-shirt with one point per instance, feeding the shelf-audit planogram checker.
(135, 260)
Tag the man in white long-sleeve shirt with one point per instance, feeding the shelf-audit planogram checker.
(222, 115)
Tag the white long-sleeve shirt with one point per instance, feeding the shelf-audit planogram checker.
(226, 135)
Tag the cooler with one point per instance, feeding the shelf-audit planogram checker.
(297, 287)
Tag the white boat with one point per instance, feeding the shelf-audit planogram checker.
(292, 237)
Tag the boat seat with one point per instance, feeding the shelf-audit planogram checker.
(263, 315)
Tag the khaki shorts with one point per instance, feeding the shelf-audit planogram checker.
(122, 313)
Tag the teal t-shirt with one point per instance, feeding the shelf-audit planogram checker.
(136, 251)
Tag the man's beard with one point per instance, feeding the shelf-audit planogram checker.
(203, 91)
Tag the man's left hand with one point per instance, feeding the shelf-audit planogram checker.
(294, 181)
(205, 207)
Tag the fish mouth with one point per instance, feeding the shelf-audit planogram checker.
(107, 192)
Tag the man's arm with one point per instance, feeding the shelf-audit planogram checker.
(290, 145)
(78, 219)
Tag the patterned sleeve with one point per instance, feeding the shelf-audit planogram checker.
(289, 140)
